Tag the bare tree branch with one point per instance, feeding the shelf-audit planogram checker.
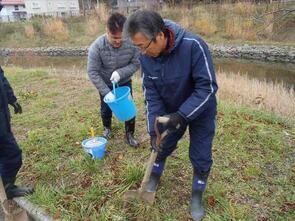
(275, 20)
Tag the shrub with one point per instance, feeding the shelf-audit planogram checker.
(37, 24)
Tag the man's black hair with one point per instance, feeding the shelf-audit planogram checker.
(146, 21)
(116, 22)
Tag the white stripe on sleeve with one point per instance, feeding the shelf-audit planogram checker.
(210, 76)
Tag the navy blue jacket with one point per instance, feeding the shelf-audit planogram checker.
(182, 80)
(6, 97)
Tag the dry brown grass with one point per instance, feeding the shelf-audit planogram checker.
(186, 22)
(233, 88)
(200, 20)
(239, 28)
(205, 26)
(56, 29)
(243, 21)
(98, 16)
(243, 8)
(92, 26)
(240, 25)
(166, 8)
(29, 31)
(268, 31)
(102, 12)
(254, 93)
(205, 21)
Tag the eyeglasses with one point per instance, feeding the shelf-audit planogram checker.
(143, 49)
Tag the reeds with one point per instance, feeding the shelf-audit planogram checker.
(273, 97)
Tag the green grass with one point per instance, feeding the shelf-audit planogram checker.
(252, 176)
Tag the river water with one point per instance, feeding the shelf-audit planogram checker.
(270, 72)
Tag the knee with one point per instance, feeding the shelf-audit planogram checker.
(201, 160)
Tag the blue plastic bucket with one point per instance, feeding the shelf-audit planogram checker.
(123, 106)
(95, 146)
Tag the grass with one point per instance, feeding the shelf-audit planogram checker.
(255, 93)
(252, 176)
(240, 23)
(56, 29)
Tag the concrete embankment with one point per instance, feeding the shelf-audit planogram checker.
(251, 52)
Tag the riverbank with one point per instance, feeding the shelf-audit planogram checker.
(252, 52)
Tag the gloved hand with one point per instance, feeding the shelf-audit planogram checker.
(115, 78)
(110, 96)
(17, 108)
(172, 122)
(153, 142)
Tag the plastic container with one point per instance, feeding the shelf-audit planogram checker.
(123, 106)
(95, 146)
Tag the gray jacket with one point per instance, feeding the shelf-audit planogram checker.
(103, 59)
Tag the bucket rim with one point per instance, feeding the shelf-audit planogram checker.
(88, 139)
(121, 98)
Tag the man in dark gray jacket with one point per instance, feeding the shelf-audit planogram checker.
(110, 59)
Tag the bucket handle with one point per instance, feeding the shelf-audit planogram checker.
(114, 87)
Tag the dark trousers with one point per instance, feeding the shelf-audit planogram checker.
(106, 112)
(10, 156)
(201, 133)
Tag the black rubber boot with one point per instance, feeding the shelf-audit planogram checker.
(198, 211)
(15, 191)
(129, 129)
(199, 186)
(107, 133)
(107, 128)
(156, 174)
(153, 182)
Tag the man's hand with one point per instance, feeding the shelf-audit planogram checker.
(172, 122)
(153, 142)
(115, 78)
(17, 108)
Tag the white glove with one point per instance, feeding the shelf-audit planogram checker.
(110, 96)
(115, 77)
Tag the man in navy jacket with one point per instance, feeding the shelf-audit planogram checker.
(179, 83)
(10, 153)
